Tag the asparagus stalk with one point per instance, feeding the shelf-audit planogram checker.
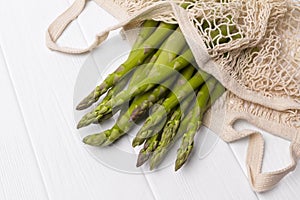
(156, 94)
(161, 152)
(180, 91)
(125, 122)
(122, 126)
(217, 92)
(169, 132)
(171, 48)
(147, 28)
(143, 70)
(161, 68)
(136, 77)
(97, 115)
(152, 142)
(149, 146)
(159, 73)
(136, 57)
(175, 98)
(197, 115)
(94, 116)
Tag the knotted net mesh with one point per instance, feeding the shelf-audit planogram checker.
(254, 42)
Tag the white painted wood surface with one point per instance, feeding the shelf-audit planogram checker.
(19, 169)
(41, 155)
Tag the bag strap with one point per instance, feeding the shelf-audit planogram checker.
(265, 181)
(58, 26)
(260, 181)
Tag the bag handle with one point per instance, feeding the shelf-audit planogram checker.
(260, 181)
(265, 181)
(58, 26)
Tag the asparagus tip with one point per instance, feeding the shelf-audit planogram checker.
(81, 106)
(92, 97)
(86, 102)
(178, 164)
(95, 140)
(152, 167)
(142, 158)
(80, 124)
(155, 159)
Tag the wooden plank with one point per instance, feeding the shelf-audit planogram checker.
(19, 171)
(44, 83)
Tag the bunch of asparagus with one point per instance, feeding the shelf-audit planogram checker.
(165, 82)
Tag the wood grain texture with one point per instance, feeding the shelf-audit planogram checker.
(20, 176)
(216, 176)
(44, 83)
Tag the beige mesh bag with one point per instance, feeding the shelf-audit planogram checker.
(251, 46)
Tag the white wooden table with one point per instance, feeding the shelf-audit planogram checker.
(41, 158)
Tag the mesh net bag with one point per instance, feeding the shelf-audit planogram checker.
(254, 43)
(251, 46)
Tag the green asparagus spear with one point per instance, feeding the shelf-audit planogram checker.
(122, 126)
(136, 57)
(158, 74)
(149, 146)
(93, 116)
(180, 91)
(172, 47)
(217, 92)
(177, 64)
(143, 70)
(197, 115)
(156, 94)
(96, 116)
(161, 152)
(170, 131)
(124, 122)
(147, 28)
(177, 96)
(152, 142)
